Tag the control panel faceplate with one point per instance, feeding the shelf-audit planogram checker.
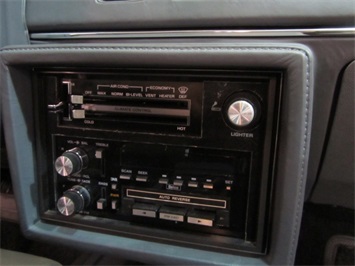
(155, 153)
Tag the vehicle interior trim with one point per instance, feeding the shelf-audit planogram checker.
(296, 60)
(319, 32)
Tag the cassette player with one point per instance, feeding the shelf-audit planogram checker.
(178, 156)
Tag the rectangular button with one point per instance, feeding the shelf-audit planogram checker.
(145, 210)
(199, 221)
(125, 177)
(201, 218)
(145, 213)
(114, 204)
(171, 217)
(142, 178)
(178, 183)
(99, 153)
(76, 99)
(192, 184)
(163, 181)
(78, 114)
(114, 186)
(101, 204)
(172, 214)
(208, 185)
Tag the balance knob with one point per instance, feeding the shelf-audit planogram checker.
(241, 113)
(73, 200)
(71, 162)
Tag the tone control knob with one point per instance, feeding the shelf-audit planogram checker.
(241, 113)
(71, 162)
(74, 200)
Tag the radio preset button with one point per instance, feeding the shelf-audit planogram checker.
(192, 184)
(163, 181)
(208, 185)
(178, 183)
(142, 178)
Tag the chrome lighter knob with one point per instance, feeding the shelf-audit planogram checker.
(241, 113)
(71, 162)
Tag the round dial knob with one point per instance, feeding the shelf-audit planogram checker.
(241, 113)
(73, 200)
(71, 162)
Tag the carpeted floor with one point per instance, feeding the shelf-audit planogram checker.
(319, 224)
(12, 239)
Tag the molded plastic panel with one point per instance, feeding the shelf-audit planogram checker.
(294, 138)
(335, 184)
(92, 15)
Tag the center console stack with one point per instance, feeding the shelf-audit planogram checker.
(178, 156)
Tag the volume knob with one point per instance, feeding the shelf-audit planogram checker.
(241, 113)
(74, 200)
(71, 162)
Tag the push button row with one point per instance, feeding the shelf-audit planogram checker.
(176, 182)
(191, 184)
(138, 178)
(203, 218)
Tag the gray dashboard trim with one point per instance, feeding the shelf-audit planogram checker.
(320, 32)
(291, 172)
(92, 15)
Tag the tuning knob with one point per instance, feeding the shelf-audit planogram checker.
(71, 162)
(74, 200)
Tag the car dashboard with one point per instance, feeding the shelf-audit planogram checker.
(177, 132)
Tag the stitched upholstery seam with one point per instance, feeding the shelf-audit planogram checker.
(108, 48)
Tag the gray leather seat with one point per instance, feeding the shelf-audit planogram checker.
(9, 257)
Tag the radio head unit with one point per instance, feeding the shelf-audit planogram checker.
(145, 153)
